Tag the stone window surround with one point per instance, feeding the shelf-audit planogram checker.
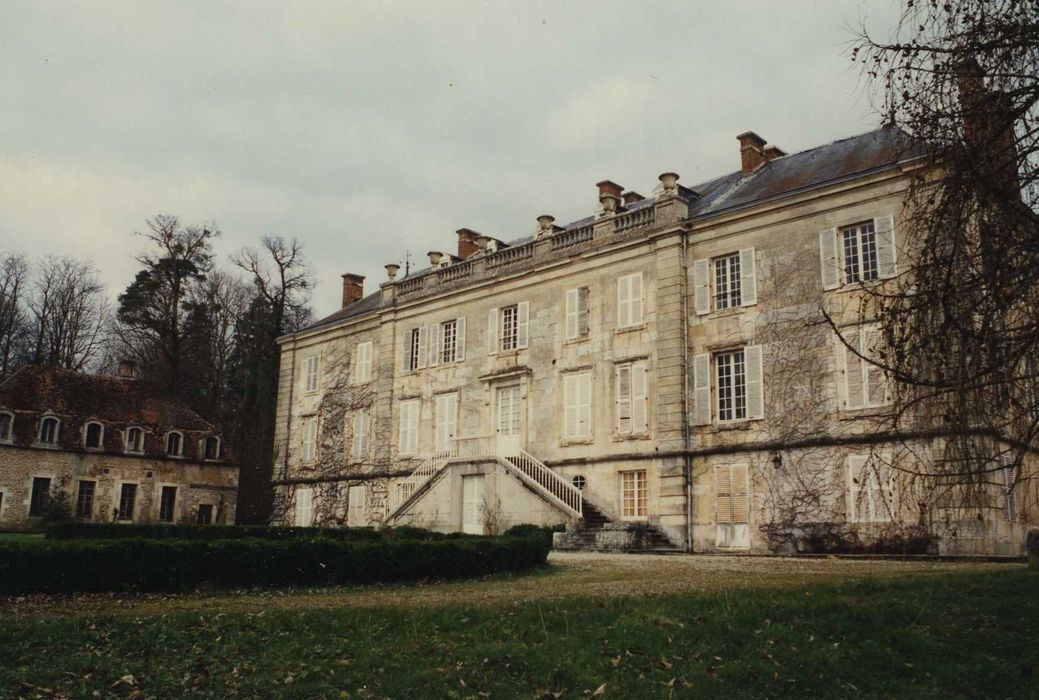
(57, 432)
(126, 440)
(10, 427)
(166, 444)
(100, 439)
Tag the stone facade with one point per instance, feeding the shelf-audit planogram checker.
(711, 412)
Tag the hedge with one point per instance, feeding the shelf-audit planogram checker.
(174, 565)
(118, 531)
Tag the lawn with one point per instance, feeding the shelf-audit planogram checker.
(21, 537)
(622, 627)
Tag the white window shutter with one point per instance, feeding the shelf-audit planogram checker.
(573, 312)
(748, 278)
(584, 402)
(639, 398)
(876, 393)
(569, 406)
(492, 331)
(623, 302)
(884, 227)
(460, 339)
(857, 478)
(582, 312)
(434, 345)
(523, 324)
(702, 389)
(636, 299)
(624, 399)
(755, 383)
(740, 484)
(423, 345)
(854, 380)
(702, 286)
(828, 252)
(408, 349)
(723, 495)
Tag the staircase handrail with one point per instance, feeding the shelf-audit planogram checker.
(548, 479)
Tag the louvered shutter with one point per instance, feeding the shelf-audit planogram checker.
(408, 350)
(636, 299)
(876, 380)
(569, 406)
(434, 344)
(523, 324)
(854, 382)
(639, 398)
(755, 383)
(702, 389)
(884, 227)
(582, 312)
(857, 487)
(423, 344)
(702, 286)
(460, 339)
(828, 258)
(584, 403)
(624, 422)
(723, 511)
(623, 302)
(740, 483)
(492, 331)
(573, 313)
(748, 278)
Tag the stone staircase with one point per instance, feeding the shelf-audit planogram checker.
(596, 532)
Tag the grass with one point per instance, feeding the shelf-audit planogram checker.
(878, 631)
(21, 537)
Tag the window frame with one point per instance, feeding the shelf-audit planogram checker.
(882, 481)
(119, 499)
(37, 506)
(577, 314)
(508, 320)
(359, 433)
(44, 420)
(362, 373)
(7, 438)
(210, 511)
(638, 426)
(733, 295)
(858, 237)
(162, 503)
(738, 382)
(311, 432)
(126, 440)
(639, 490)
(442, 341)
(626, 316)
(297, 511)
(204, 448)
(180, 443)
(100, 435)
(411, 447)
(577, 410)
(79, 510)
(311, 373)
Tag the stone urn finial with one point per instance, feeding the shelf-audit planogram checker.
(391, 271)
(482, 241)
(670, 182)
(434, 257)
(545, 225)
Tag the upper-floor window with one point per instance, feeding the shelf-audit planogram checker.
(50, 427)
(359, 446)
(134, 440)
(311, 366)
(859, 248)
(857, 253)
(577, 313)
(508, 328)
(407, 443)
(725, 282)
(6, 426)
(93, 434)
(450, 346)
(363, 362)
(865, 384)
(632, 398)
(728, 386)
(415, 349)
(577, 405)
(211, 448)
(310, 426)
(629, 300)
(174, 444)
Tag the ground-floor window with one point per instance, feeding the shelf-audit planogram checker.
(205, 514)
(633, 494)
(304, 507)
(732, 506)
(41, 494)
(85, 500)
(127, 497)
(167, 501)
(355, 507)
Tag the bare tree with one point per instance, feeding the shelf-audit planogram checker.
(67, 313)
(14, 281)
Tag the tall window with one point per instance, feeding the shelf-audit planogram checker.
(633, 494)
(408, 438)
(632, 398)
(727, 286)
(446, 421)
(355, 507)
(310, 372)
(629, 300)
(167, 503)
(92, 435)
(732, 505)
(85, 500)
(127, 497)
(865, 384)
(49, 428)
(309, 438)
(6, 425)
(211, 448)
(205, 514)
(359, 444)
(870, 490)
(577, 313)
(860, 252)
(41, 495)
(363, 362)
(415, 349)
(304, 508)
(509, 327)
(448, 340)
(577, 405)
(731, 381)
(134, 440)
(174, 444)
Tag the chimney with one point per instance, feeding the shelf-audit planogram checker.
(467, 242)
(353, 289)
(752, 152)
(988, 126)
(127, 369)
(609, 195)
(773, 152)
(631, 197)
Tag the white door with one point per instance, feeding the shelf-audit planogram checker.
(446, 422)
(472, 504)
(509, 410)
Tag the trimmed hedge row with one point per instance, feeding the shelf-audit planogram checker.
(119, 531)
(182, 565)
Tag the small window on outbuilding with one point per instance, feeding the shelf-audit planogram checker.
(211, 448)
(6, 426)
(205, 514)
(134, 440)
(49, 428)
(173, 444)
(93, 435)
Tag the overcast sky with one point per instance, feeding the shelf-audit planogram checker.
(369, 128)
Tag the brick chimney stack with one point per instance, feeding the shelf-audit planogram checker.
(353, 289)
(752, 152)
(467, 242)
(773, 152)
(988, 126)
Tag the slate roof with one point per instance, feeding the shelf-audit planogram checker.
(855, 156)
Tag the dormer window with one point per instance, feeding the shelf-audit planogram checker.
(134, 440)
(49, 428)
(6, 426)
(174, 444)
(93, 435)
(211, 448)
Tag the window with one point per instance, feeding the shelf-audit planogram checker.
(134, 440)
(633, 494)
(446, 420)
(632, 398)
(415, 349)
(355, 507)
(451, 347)
(6, 427)
(310, 438)
(1009, 494)
(629, 300)
(127, 496)
(508, 328)
(359, 444)
(736, 377)
(732, 506)
(205, 514)
(92, 435)
(174, 444)
(85, 500)
(40, 496)
(167, 503)
(579, 482)
(211, 448)
(865, 384)
(363, 363)
(870, 490)
(310, 373)
(858, 253)
(304, 507)
(49, 429)
(408, 442)
(726, 282)
(577, 313)
(577, 405)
